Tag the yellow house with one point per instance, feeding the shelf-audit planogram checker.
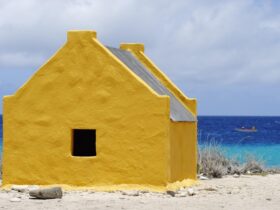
(97, 116)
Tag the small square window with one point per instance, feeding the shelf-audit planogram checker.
(84, 142)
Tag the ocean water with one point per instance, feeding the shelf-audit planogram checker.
(1, 134)
(263, 144)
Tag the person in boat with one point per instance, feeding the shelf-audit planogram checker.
(243, 129)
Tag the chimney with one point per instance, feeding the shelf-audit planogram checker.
(80, 35)
(134, 47)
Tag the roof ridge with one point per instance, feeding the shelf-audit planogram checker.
(177, 110)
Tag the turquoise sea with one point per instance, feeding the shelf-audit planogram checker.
(264, 143)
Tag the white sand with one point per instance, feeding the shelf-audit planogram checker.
(245, 192)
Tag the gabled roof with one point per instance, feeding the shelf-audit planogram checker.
(177, 111)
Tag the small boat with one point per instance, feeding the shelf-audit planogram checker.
(249, 130)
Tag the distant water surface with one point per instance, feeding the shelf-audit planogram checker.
(264, 144)
(1, 134)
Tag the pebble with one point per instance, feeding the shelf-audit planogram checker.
(131, 193)
(15, 199)
(210, 189)
(203, 177)
(182, 194)
(236, 175)
(46, 193)
(191, 192)
(170, 192)
(144, 191)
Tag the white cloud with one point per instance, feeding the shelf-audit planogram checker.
(201, 43)
(20, 60)
(224, 43)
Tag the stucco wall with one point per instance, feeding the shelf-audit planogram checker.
(183, 147)
(84, 86)
(183, 135)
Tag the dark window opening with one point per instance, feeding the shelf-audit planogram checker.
(84, 142)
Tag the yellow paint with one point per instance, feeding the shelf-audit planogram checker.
(183, 150)
(183, 135)
(85, 86)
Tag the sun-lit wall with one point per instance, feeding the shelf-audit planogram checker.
(84, 86)
(183, 135)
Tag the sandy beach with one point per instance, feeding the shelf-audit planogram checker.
(244, 192)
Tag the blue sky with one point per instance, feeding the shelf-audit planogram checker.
(223, 52)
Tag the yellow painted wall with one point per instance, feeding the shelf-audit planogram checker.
(183, 135)
(84, 86)
(183, 146)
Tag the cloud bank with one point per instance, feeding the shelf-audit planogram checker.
(225, 53)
